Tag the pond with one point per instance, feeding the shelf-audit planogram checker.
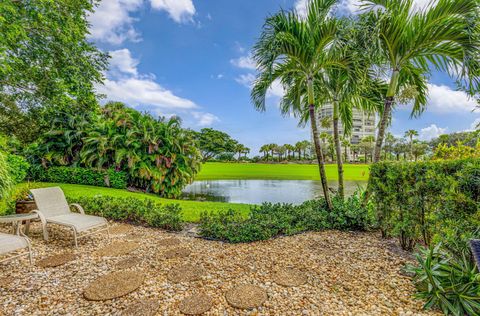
(258, 191)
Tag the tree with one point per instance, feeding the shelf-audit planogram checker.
(290, 149)
(412, 43)
(367, 145)
(349, 87)
(46, 63)
(265, 150)
(346, 144)
(212, 143)
(294, 50)
(389, 142)
(418, 149)
(411, 133)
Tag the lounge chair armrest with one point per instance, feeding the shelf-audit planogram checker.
(41, 216)
(78, 207)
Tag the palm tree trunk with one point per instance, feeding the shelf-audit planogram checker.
(320, 157)
(392, 89)
(338, 148)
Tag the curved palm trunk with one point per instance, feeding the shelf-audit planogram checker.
(336, 137)
(320, 157)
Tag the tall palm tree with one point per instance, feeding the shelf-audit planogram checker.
(264, 149)
(411, 133)
(294, 50)
(389, 141)
(412, 43)
(346, 144)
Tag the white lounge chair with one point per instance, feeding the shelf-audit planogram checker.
(12, 243)
(53, 208)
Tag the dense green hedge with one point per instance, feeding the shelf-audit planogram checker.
(101, 178)
(427, 202)
(18, 167)
(133, 210)
(271, 220)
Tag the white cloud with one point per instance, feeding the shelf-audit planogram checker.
(353, 6)
(205, 119)
(125, 84)
(246, 80)
(442, 99)
(123, 61)
(245, 62)
(431, 132)
(136, 91)
(111, 22)
(276, 90)
(181, 11)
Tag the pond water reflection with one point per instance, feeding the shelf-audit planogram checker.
(258, 191)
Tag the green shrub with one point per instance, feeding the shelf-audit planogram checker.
(18, 167)
(447, 281)
(426, 202)
(73, 175)
(133, 210)
(271, 220)
(6, 181)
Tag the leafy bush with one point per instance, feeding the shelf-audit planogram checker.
(102, 178)
(427, 202)
(271, 220)
(435, 204)
(448, 281)
(18, 167)
(133, 210)
(6, 181)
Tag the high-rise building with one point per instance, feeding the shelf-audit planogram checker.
(363, 124)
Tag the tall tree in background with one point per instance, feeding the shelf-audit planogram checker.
(441, 37)
(410, 134)
(212, 143)
(294, 50)
(46, 63)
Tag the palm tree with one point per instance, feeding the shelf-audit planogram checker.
(412, 43)
(265, 150)
(346, 144)
(294, 50)
(411, 133)
(290, 149)
(389, 141)
(367, 145)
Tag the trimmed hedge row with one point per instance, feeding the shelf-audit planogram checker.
(271, 220)
(133, 210)
(74, 175)
(427, 202)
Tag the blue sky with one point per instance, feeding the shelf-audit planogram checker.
(191, 58)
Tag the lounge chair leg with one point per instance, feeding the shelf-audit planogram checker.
(45, 231)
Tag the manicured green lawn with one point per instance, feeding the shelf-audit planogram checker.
(191, 209)
(235, 171)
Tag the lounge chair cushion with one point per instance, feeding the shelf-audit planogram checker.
(9, 243)
(79, 221)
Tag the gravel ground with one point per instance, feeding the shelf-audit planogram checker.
(347, 274)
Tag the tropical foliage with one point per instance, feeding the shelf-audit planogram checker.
(157, 154)
(271, 220)
(412, 43)
(46, 63)
(295, 51)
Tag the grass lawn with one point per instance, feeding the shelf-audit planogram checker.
(191, 209)
(238, 171)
